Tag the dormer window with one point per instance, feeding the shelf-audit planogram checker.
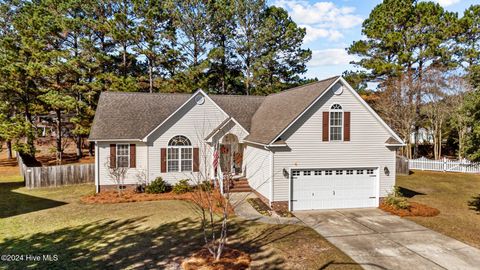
(336, 122)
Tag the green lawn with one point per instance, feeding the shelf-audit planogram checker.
(449, 193)
(138, 235)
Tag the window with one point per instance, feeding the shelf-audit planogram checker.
(369, 171)
(179, 154)
(336, 122)
(329, 172)
(306, 172)
(318, 172)
(339, 172)
(349, 172)
(359, 171)
(295, 173)
(123, 155)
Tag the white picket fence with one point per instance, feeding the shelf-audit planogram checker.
(444, 165)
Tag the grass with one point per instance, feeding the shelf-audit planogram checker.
(153, 234)
(449, 193)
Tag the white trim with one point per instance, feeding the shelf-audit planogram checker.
(116, 154)
(342, 125)
(290, 169)
(395, 144)
(115, 140)
(179, 152)
(255, 143)
(277, 145)
(222, 125)
(341, 79)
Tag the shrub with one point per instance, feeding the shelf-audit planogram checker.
(182, 186)
(396, 200)
(206, 186)
(475, 203)
(157, 186)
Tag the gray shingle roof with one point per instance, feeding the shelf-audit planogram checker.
(279, 110)
(241, 108)
(123, 115)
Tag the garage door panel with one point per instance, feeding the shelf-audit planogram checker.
(334, 188)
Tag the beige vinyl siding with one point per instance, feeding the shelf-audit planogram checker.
(306, 149)
(131, 176)
(195, 122)
(257, 163)
(230, 127)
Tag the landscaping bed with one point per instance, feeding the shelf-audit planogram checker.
(108, 197)
(260, 206)
(232, 259)
(414, 210)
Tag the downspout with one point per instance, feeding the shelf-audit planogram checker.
(271, 174)
(148, 162)
(97, 168)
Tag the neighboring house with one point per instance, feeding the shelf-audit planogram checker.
(424, 136)
(317, 146)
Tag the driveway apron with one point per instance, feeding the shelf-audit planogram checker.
(378, 240)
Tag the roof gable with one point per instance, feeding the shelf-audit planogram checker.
(279, 110)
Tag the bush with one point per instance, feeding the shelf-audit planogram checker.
(396, 200)
(475, 203)
(206, 186)
(182, 186)
(157, 186)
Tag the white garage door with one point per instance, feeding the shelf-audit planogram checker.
(334, 188)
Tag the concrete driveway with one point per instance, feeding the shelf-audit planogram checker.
(378, 240)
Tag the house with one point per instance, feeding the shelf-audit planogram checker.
(317, 146)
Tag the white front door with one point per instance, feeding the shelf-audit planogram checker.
(334, 188)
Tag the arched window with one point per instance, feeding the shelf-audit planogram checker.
(179, 154)
(336, 122)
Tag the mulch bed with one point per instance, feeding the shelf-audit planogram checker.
(107, 197)
(415, 210)
(232, 259)
(260, 206)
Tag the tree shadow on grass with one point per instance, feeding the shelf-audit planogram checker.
(121, 244)
(13, 203)
(408, 192)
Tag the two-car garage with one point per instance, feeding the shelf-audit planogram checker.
(333, 188)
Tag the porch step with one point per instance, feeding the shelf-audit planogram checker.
(240, 185)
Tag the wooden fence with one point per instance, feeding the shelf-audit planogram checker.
(402, 165)
(444, 165)
(54, 176)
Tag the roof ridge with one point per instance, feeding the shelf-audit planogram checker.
(303, 85)
(144, 93)
(243, 96)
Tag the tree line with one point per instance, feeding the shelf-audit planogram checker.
(426, 61)
(59, 55)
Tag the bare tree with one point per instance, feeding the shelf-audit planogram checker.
(397, 107)
(436, 107)
(459, 119)
(117, 173)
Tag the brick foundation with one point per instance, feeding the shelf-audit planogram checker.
(114, 187)
(280, 206)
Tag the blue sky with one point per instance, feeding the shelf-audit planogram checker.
(334, 25)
